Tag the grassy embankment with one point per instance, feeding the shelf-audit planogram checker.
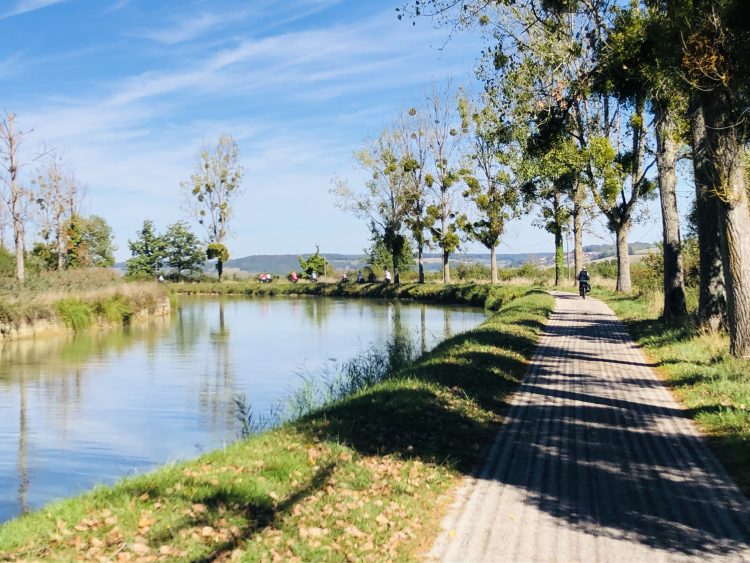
(489, 297)
(77, 299)
(362, 479)
(696, 365)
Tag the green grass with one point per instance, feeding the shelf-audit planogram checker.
(713, 386)
(365, 478)
(75, 313)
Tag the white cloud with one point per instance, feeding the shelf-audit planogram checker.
(24, 6)
(189, 28)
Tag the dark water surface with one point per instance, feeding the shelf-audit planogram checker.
(87, 409)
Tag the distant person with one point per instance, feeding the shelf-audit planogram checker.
(360, 279)
(583, 275)
(314, 276)
(160, 279)
(387, 276)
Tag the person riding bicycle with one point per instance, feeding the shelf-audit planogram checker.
(583, 277)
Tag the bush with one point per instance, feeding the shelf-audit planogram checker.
(472, 271)
(75, 313)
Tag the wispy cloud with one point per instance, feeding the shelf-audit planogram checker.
(190, 28)
(24, 6)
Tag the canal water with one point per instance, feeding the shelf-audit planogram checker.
(91, 408)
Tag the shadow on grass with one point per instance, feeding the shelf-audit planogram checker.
(256, 509)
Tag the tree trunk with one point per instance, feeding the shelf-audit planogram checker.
(220, 268)
(712, 296)
(722, 125)
(396, 275)
(559, 255)
(675, 307)
(60, 243)
(493, 265)
(420, 263)
(624, 284)
(446, 268)
(577, 238)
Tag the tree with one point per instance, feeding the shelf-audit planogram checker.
(383, 200)
(148, 252)
(492, 189)
(313, 263)
(381, 257)
(447, 122)
(18, 197)
(183, 251)
(410, 134)
(217, 180)
(716, 63)
(57, 196)
(637, 63)
(712, 295)
(89, 242)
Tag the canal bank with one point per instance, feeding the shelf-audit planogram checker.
(363, 478)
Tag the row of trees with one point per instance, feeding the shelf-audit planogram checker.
(604, 98)
(422, 169)
(49, 200)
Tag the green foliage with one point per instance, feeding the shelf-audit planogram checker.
(380, 257)
(183, 251)
(116, 309)
(148, 252)
(75, 313)
(89, 242)
(7, 263)
(313, 263)
(46, 254)
(466, 271)
(216, 251)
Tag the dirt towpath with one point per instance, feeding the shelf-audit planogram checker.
(595, 462)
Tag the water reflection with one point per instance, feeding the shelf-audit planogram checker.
(76, 411)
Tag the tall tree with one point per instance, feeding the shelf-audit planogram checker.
(216, 181)
(18, 196)
(716, 62)
(410, 133)
(448, 123)
(712, 296)
(383, 200)
(492, 187)
(636, 62)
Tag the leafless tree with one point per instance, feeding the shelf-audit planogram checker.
(18, 197)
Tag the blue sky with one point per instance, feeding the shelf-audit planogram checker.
(129, 91)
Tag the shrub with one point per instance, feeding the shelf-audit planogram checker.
(75, 313)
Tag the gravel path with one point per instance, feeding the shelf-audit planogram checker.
(595, 462)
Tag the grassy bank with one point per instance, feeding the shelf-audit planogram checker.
(713, 386)
(78, 299)
(488, 296)
(363, 479)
